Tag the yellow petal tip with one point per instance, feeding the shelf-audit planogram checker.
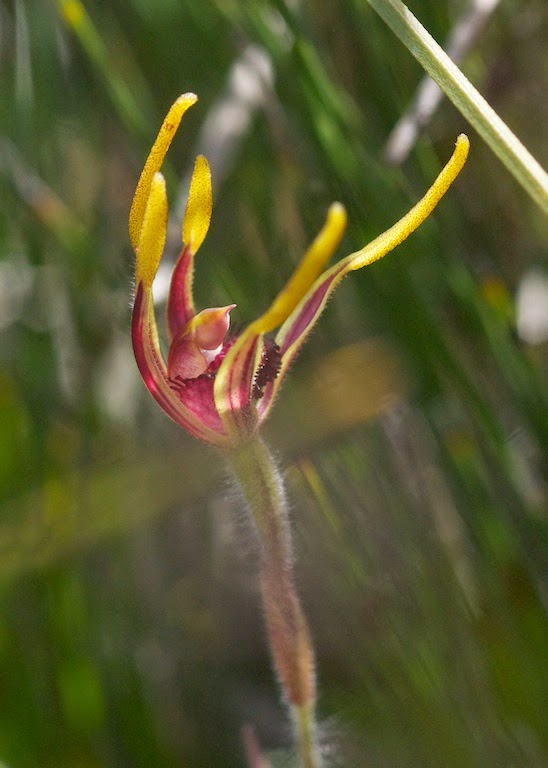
(386, 242)
(152, 236)
(188, 99)
(199, 206)
(462, 147)
(336, 217)
(154, 162)
(307, 272)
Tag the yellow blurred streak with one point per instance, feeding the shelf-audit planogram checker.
(315, 483)
(496, 294)
(73, 12)
(77, 18)
(350, 386)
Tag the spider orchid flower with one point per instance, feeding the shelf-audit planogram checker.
(220, 388)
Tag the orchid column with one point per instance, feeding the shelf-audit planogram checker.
(221, 387)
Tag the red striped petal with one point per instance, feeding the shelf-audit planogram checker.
(298, 325)
(194, 410)
(234, 385)
(180, 304)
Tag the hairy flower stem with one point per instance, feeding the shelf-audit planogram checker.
(287, 630)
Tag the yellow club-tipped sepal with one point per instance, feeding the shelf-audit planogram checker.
(152, 236)
(199, 205)
(154, 163)
(313, 262)
(384, 243)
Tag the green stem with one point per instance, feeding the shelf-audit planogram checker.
(466, 98)
(305, 729)
(288, 634)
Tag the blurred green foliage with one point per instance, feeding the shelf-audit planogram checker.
(413, 429)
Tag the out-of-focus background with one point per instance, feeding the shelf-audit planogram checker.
(411, 429)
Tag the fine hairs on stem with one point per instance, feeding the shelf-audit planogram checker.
(287, 629)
